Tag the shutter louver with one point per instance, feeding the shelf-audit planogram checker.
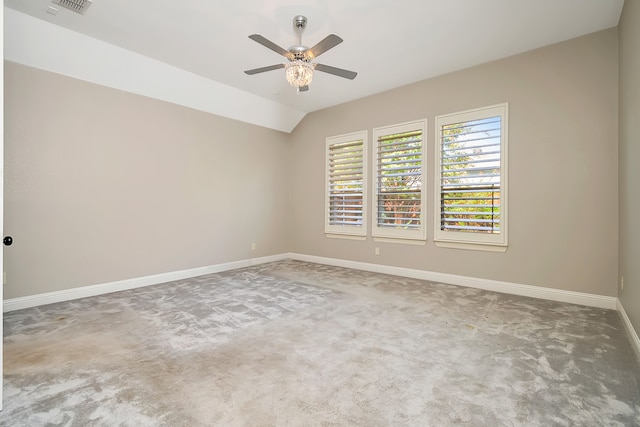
(470, 175)
(399, 177)
(345, 181)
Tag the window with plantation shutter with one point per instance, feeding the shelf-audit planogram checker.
(471, 178)
(399, 206)
(345, 201)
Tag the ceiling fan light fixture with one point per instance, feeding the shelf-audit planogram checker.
(299, 73)
(299, 70)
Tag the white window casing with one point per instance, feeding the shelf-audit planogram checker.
(399, 199)
(471, 180)
(345, 185)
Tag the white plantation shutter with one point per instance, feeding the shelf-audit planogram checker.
(399, 195)
(471, 176)
(345, 184)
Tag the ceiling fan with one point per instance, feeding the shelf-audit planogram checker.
(299, 70)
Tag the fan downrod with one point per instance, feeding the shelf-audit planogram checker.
(299, 24)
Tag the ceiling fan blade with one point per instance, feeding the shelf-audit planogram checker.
(324, 45)
(269, 44)
(264, 69)
(336, 71)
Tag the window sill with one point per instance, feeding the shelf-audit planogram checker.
(345, 236)
(400, 240)
(471, 246)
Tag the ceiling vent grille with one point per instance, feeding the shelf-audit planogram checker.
(79, 6)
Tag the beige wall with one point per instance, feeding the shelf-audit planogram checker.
(629, 159)
(102, 185)
(563, 138)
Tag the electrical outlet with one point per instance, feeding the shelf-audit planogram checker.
(377, 251)
(253, 246)
(622, 283)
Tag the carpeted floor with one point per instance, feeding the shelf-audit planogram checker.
(300, 344)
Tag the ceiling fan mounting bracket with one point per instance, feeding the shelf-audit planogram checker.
(299, 22)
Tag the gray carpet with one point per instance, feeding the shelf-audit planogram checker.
(300, 344)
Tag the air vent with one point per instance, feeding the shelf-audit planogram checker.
(79, 6)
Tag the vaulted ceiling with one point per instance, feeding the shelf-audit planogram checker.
(194, 52)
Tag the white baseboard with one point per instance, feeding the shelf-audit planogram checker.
(122, 285)
(572, 297)
(471, 282)
(633, 336)
(453, 279)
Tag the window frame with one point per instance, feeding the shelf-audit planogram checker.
(395, 235)
(497, 242)
(358, 231)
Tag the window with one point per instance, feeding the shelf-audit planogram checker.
(471, 178)
(345, 185)
(399, 211)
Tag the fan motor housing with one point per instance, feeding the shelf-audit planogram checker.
(298, 51)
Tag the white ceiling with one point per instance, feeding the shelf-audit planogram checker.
(389, 43)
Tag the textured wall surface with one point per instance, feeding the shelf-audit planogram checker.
(103, 185)
(629, 159)
(563, 139)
